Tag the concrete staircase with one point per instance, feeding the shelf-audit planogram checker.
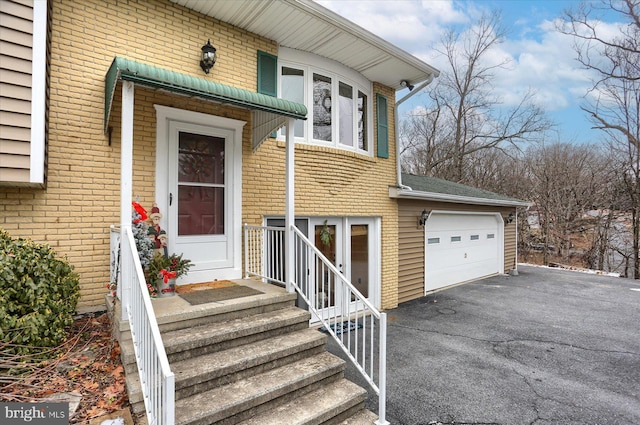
(252, 360)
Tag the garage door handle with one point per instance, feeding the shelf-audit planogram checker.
(170, 199)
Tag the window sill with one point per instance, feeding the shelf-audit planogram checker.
(329, 149)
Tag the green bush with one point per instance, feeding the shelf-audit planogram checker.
(38, 296)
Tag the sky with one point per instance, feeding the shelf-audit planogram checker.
(539, 57)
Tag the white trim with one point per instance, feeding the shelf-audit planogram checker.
(165, 115)
(399, 193)
(38, 92)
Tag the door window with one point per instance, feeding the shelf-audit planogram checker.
(360, 258)
(201, 184)
(325, 236)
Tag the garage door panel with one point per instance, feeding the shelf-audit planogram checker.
(473, 252)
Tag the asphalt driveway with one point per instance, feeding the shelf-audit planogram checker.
(545, 347)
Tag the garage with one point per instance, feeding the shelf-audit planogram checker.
(462, 247)
(449, 233)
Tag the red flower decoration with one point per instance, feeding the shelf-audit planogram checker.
(165, 275)
(140, 210)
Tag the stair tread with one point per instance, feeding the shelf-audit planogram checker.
(185, 339)
(315, 407)
(363, 417)
(244, 356)
(243, 326)
(258, 389)
(214, 365)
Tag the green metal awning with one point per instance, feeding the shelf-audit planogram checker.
(269, 113)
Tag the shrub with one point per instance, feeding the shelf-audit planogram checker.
(38, 295)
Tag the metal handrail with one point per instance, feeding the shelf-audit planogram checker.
(259, 260)
(355, 324)
(156, 378)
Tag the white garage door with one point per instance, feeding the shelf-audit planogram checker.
(461, 247)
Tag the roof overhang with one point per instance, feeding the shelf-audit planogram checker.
(401, 193)
(269, 113)
(310, 27)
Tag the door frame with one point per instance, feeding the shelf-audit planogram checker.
(375, 245)
(164, 116)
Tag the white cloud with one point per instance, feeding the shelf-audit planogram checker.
(539, 57)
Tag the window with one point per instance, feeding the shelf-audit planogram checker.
(322, 104)
(456, 238)
(337, 99)
(433, 241)
(292, 83)
(491, 236)
(475, 237)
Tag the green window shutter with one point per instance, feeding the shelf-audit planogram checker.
(267, 74)
(382, 126)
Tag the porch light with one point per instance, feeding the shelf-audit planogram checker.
(509, 219)
(208, 57)
(422, 220)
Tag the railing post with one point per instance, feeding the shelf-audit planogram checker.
(290, 206)
(382, 374)
(126, 265)
(246, 251)
(168, 402)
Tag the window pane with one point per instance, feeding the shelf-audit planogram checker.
(360, 258)
(321, 107)
(345, 109)
(201, 159)
(293, 89)
(200, 210)
(362, 122)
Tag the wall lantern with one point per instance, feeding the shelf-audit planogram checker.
(208, 57)
(509, 219)
(422, 220)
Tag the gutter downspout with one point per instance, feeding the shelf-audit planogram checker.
(396, 119)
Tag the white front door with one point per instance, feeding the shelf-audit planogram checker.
(202, 186)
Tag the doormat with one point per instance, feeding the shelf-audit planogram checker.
(219, 294)
(345, 326)
(193, 287)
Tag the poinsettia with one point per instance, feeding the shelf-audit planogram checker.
(165, 268)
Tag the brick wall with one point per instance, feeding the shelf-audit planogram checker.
(81, 201)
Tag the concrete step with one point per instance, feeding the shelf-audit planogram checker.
(174, 313)
(220, 368)
(363, 417)
(241, 400)
(204, 339)
(330, 404)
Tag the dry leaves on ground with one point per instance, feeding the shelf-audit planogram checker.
(88, 363)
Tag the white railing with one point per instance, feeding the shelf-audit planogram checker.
(156, 378)
(353, 322)
(264, 253)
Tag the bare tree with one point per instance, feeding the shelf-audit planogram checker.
(466, 116)
(565, 182)
(613, 103)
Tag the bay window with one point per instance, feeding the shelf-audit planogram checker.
(337, 100)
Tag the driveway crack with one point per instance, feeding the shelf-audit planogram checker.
(508, 341)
